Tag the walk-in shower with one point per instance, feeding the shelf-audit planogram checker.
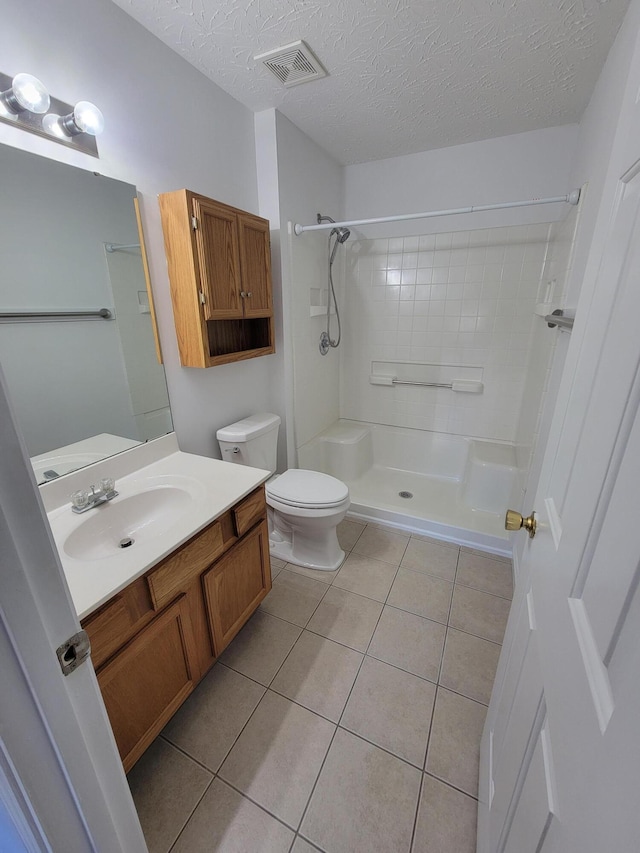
(340, 235)
(434, 407)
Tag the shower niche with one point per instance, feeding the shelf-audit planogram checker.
(219, 263)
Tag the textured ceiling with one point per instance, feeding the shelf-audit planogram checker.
(404, 75)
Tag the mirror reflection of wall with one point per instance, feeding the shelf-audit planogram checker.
(75, 380)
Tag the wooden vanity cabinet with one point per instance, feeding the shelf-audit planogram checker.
(219, 262)
(156, 639)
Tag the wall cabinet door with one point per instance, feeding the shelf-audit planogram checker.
(254, 241)
(147, 681)
(236, 584)
(219, 260)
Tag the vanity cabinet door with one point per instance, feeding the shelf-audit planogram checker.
(148, 680)
(236, 584)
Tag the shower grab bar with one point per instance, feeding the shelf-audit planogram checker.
(557, 319)
(570, 198)
(425, 384)
(103, 313)
(469, 386)
(120, 247)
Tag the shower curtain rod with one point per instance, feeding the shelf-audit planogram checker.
(571, 198)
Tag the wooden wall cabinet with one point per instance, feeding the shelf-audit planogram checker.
(219, 262)
(156, 639)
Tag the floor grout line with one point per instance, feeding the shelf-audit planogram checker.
(450, 785)
(415, 817)
(186, 823)
(256, 803)
(315, 784)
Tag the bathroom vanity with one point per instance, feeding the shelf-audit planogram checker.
(159, 612)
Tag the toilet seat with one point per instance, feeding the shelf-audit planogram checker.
(308, 489)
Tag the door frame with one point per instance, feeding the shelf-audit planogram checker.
(61, 766)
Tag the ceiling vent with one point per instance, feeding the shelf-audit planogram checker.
(292, 64)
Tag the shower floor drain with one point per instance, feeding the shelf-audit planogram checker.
(405, 494)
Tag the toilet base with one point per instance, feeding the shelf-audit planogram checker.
(326, 558)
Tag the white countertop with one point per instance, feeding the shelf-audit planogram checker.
(218, 486)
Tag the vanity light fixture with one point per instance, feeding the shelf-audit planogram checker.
(85, 118)
(25, 103)
(26, 92)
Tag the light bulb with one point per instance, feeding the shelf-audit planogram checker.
(52, 124)
(85, 118)
(27, 93)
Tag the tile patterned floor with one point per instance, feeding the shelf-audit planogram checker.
(346, 716)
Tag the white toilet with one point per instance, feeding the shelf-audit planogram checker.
(304, 507)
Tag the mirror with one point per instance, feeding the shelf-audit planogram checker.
(83, 388)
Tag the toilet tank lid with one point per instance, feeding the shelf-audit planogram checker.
(251, 427)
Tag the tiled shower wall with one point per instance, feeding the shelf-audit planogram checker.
(460, 298)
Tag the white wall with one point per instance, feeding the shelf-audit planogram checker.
(310, 182)
(508, 168)
(167, 127)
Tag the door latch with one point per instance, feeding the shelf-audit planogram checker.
(74, 652)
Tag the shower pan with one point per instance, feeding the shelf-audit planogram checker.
(449, 487)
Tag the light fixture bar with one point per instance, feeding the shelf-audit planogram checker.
(37, 122)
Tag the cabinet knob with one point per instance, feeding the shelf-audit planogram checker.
(249, 294)
(243, 294)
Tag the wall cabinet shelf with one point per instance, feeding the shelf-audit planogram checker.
(219, 262)
(156, 639)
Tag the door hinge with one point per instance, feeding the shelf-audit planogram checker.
(203, 298)
(194, 223)
(74, 652)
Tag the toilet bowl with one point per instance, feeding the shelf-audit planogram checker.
(304, 507)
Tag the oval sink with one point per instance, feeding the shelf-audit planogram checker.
(138, 517)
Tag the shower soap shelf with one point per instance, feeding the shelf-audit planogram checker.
(318, 302)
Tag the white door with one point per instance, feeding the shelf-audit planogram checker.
(560, 757)
(62, 787)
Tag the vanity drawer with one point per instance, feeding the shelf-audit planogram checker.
(118, 621)
(177, 571)
(249, 511)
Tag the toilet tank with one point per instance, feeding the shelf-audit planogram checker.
(251, 441)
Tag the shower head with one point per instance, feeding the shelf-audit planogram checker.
(342, 234)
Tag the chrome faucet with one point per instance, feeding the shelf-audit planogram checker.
(84, 499)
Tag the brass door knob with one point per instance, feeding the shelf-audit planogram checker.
(514, 521)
